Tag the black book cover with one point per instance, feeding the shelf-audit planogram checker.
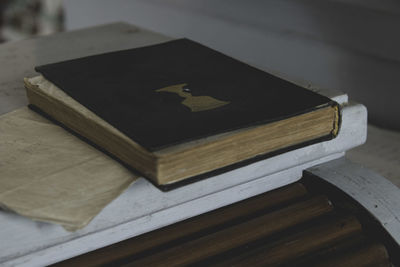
(174, 92)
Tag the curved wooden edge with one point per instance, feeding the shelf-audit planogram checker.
(374, 192)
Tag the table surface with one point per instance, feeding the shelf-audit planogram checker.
(35, 243)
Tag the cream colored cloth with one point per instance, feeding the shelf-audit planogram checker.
(49, 175)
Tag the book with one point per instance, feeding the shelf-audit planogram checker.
(179, 110)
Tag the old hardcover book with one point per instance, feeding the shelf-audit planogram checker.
(178, 109)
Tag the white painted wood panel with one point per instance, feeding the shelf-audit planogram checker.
(375, 193)
(143, 207)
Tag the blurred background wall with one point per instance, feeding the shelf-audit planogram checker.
(20, 19)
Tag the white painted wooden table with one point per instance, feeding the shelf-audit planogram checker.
(142, 207)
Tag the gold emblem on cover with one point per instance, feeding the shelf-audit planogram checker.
(195, 103)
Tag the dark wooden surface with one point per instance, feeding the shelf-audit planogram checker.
(291, 226)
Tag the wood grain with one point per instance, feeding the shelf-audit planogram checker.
(370, 254)
(343, 246)
(285, 227)
(197, 226)
(298, 244)
(240, 234)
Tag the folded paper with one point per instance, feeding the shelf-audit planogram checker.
(47, 174)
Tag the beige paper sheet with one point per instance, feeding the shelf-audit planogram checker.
(49, 175)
